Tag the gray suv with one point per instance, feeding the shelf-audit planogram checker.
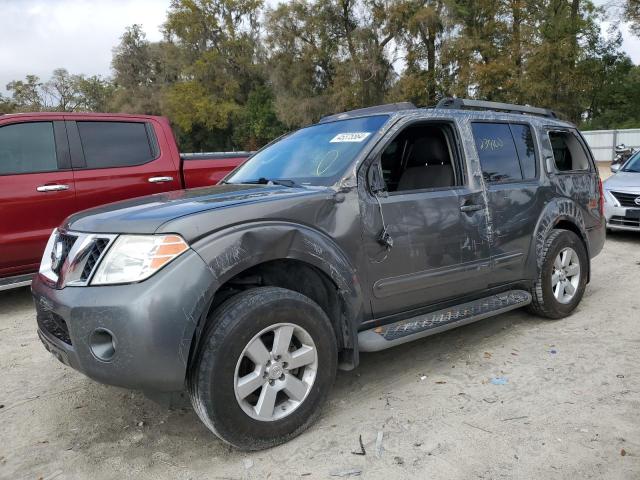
(370, 229)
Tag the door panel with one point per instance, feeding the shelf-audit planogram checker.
(111, 161)
(438, 252)
(510, 166)
(514, 211)
(32, 201)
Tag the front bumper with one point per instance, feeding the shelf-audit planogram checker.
(152, 324)
(622, 218)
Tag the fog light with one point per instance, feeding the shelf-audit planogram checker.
(102, 344)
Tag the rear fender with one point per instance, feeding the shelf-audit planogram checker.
(557, 210)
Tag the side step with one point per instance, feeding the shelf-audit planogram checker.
(15, 282)
(410, 329)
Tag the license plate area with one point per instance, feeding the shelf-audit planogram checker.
(633, 213)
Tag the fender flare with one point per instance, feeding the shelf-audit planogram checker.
(231, 251)
(556, 211)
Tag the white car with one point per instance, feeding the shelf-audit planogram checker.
(622, 196)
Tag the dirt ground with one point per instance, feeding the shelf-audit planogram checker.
(570, 407)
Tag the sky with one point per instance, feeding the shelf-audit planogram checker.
(41, 35)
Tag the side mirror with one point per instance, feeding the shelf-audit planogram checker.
(375, 180)
(615, 168)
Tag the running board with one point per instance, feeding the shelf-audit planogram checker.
(413, 328)
(15, 282)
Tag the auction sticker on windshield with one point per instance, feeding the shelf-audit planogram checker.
(355, 137)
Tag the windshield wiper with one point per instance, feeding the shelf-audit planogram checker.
(276, 181)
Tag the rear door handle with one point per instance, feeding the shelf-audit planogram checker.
(470, 208)
(160, 179)
(52, 188)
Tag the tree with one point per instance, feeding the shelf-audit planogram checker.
(224, 64)
(6, 105)
(135, 65)
(63, 91)
(27, 94)
(632, 15)
(96, 93)
(302, 63)
(425, 29)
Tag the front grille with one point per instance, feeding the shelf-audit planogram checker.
(627, 199)
(92, 258)
(67, 242)
(54, 324)
(625, 221)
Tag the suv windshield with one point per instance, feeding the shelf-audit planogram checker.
(316, 155)
(633, 164)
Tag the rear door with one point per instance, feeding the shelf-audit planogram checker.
(115, 159)
(508, 155)
(36, 189)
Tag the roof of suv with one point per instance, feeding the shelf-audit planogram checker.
(459, 108)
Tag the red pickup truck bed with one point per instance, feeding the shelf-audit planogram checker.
(55, 164)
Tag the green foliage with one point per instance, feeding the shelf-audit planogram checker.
(62, 92)
(27, 93)
(257, 123)
(6, 105)
(632, 15)
(232, 74)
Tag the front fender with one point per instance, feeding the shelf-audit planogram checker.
(235, 249)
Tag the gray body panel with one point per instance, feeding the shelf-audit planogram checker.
(152, 325)
(441, 256)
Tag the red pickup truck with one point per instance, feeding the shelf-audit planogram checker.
(56, 164)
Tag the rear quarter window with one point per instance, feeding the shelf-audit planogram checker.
(568, 153)
(116, 144)
(523, 138)
(27, 148)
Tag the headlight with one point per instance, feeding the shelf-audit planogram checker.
(133, 258)
(609, 198)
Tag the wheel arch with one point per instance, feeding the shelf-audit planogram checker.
(561, 213)
(291, 256)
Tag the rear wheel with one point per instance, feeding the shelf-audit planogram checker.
(562, 278)
(265, 367)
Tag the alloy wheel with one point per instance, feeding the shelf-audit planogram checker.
(566, 275)
(275, 372)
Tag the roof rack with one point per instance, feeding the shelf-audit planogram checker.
(388, 108)
(468, 104)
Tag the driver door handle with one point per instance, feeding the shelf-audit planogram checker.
(470, 208)
(52, 188)
(160, 179)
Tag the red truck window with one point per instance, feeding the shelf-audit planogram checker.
(116, 144)
(27, 148)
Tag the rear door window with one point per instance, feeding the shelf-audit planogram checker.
(27, 148)
(116, 144)
(497, 152)
(568, 153)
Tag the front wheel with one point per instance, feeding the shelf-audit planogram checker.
(562, 277)
(266, 364)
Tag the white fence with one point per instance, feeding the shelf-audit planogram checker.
(603, 142)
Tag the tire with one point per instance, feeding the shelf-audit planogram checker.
(545, 301)
(225, 357)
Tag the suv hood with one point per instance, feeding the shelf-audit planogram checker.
(145, 215)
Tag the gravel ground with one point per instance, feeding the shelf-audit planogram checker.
(570, 407)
